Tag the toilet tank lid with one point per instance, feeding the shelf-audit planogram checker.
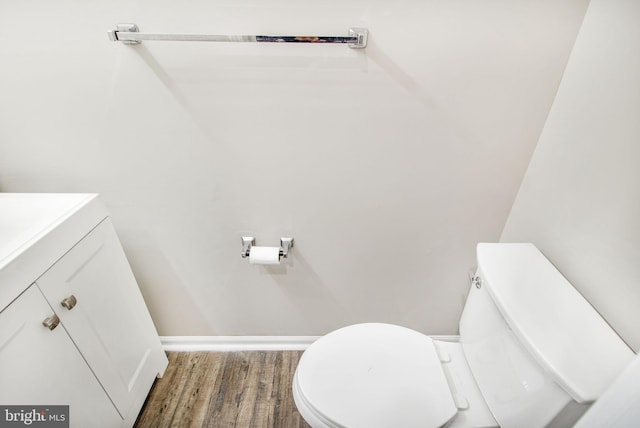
(552, 320)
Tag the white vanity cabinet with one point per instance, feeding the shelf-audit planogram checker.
(39, 366)
(103, 356)
(96, 297)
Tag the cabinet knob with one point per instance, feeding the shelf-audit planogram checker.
(70, 302)
(51, 322)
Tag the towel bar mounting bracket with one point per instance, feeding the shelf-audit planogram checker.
(124, 28)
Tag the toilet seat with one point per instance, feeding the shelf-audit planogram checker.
(373, 375)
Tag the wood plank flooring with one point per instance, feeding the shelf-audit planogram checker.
(224, 389)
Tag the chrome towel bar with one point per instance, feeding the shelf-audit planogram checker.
(129, 34)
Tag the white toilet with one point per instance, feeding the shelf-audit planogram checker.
(532, 353)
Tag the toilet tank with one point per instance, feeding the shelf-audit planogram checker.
(538, 350)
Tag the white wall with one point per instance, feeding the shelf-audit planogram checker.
(580, 199)
(386, 165)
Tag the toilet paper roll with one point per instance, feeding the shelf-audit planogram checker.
(264, 255)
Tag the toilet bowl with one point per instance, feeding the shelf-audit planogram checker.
(532, 353)
(382, 375)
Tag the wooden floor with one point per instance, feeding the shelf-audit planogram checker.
(224, 389)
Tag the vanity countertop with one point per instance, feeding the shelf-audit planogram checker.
(36, 229)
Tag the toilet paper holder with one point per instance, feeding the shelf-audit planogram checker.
(250, 241)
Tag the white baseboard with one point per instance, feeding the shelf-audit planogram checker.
(236, 343)
(248, 343)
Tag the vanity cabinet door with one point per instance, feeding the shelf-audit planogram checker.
(39, 366)
(97, 299)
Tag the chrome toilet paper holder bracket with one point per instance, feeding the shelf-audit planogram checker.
(285, 246)
(249, 241)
